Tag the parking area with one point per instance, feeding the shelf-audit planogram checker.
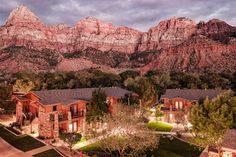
(6, 119)
(9, 151)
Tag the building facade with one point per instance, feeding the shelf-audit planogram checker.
(55, 110)
(176, 103)
(228, 148)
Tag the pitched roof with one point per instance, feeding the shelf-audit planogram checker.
(230, 139)
(68, 96)
(192, 94)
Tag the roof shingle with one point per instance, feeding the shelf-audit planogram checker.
(68, 96)
(192, 94)
(230, 139)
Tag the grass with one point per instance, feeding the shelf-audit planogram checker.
(48, 153)
(159, 126)
(96, 145)
(175, 148)
(23, 142)
(92, 147)
(83, 139)
(166, 148)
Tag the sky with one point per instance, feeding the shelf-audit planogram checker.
(138, 14)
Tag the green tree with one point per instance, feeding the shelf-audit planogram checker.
(5, 98)
(211, 119)
(98, 106)
(161, 82)
(130, 100)
(158, 112)
(23, 85)
(144, 88)
(129, 74)
(70, 138)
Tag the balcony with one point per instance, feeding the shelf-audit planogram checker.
(62, 117)
(77, 115)
(173, 109)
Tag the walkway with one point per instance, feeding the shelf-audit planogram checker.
(8, 150)
(39, 150)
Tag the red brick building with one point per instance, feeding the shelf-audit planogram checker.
(228, 148)
(229, 143)
(179, 101)
(64, 109)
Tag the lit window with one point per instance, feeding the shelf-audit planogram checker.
(176, 104)
(181, 105)
(227, 154)
(70, 127)
(75, 108)
(75, 126)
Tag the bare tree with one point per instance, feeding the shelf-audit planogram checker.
(180, 118)
(125, 134)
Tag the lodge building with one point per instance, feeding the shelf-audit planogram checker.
(54, 110)
(177, 101)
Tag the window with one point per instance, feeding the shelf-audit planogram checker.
(52, 118)
(82, 112)
(75, 126)
(176, 104)
(75, 108)
(181, 105)
(227, 154)
(54, 108)
(70, 127)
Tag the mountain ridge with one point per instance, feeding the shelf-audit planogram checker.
(91, 39)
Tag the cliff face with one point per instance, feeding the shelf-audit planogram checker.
(167, 34)
(23, 28)
(196, 55)
(177, 44)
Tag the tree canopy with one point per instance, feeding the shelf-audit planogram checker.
(70, 138)
(211, 119)
(97, 107)
(125, 134)
(5, 97)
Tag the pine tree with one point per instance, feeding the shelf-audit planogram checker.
(97, 107)
(211, 119)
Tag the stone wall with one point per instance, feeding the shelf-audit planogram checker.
(48, 124)
(19, 112)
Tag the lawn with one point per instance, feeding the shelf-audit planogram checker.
(23, 142)
(166, 148)
(92, 147)
(175, 148)
(159, 126)
(48, 153)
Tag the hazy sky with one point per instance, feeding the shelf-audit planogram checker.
(139, 14)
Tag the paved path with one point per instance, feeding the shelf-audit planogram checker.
(7, 150)
(39, 150)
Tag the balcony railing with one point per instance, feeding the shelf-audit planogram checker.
(62, 117)
(77, 115)
(173, 109)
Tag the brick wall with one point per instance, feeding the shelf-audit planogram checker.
(48, 124)
(19, 108)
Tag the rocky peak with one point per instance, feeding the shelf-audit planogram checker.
(93, 25)
(168, 33)
(20, 15)
(216, 30)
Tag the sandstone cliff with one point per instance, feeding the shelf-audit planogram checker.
(177, 44)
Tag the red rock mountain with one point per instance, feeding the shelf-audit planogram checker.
(177, 44)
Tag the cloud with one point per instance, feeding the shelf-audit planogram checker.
(139, 14)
